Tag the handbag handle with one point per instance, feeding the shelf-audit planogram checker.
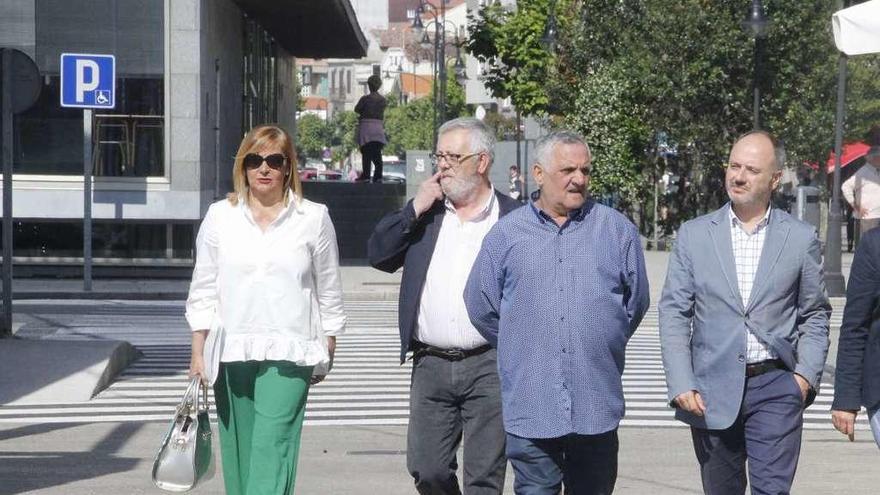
(195, 399)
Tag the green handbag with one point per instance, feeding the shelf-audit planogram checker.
(185, 458)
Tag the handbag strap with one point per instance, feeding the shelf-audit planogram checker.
(201, 397)
(189, 403)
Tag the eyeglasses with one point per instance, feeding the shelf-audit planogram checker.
(253, 161)
(452, 159)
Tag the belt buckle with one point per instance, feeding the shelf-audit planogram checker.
(455, 354)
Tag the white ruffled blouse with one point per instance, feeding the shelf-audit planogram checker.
(277, 294)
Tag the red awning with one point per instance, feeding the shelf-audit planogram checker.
(851, 153)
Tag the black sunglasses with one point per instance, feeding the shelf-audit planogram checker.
(253, 160)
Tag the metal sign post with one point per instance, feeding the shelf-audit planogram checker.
(87, 199)
(6, 110)
(20, 88)
(88, 81)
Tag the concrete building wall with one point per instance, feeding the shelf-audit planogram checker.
(182, 114)
(221, 90)
(18, 25)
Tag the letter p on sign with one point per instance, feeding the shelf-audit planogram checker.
(88, 80)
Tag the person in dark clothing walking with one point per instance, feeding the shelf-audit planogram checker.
(371, 129)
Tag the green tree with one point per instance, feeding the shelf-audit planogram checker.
(863, 98)
(411, 126)
(312, 135)
(508, 44)
(627, 71)
(343, 128)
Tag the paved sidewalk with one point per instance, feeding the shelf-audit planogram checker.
(359, 282)
(116, 458)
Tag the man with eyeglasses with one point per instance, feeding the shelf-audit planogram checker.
(455, 391)
(744, 328)
(559, 287)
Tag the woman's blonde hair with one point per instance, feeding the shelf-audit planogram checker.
(260, 137)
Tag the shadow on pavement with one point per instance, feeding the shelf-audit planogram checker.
(26, 471)
(23, 431)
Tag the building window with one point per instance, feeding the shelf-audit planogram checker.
(111, 240)
(129, 139)
(260, 73)
(348, 81)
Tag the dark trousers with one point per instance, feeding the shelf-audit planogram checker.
(451, 401)
(766, 435)
(371, 152)
(585, 464)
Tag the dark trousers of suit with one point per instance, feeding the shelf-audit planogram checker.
(371, 153)
(766, 435)
(451, 401)
(585, 464)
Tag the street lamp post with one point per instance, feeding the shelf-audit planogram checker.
(439, 44)
(756, 24)
(835, 284)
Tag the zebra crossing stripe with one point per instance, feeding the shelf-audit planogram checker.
(368, 385)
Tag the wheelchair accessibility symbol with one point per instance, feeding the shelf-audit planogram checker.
(102, 97)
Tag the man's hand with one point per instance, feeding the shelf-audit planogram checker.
(804, 385)
(429, 192)
(691, 402)
(845, 422)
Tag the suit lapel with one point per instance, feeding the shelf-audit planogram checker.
(719, 230)
(774, 242)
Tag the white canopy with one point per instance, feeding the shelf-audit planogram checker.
(857, 28)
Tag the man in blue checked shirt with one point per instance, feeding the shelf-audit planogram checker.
(559, 287)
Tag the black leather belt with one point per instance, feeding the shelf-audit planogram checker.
(761, 367)
(422, 349)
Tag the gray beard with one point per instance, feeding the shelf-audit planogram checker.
(459, 189)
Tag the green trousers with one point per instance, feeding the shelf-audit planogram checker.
(260, 407)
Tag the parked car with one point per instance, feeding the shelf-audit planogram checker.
(394, 171)
(313, 174)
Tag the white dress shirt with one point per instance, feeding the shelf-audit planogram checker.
(276, 293)
(863, 190)
(747, 248)
(443, 318)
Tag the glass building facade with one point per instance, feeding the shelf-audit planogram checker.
(128, 140)
(191, 77)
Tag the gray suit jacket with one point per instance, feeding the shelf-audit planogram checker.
(703, 320)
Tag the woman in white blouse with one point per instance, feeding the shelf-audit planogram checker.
(267, 297)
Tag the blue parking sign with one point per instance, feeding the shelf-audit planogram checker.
(88, 80)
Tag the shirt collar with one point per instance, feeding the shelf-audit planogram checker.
(248, 214)
(574, 215)
(736, 222)
(484, 212)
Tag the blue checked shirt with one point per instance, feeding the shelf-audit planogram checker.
(747, 248)
(560, 304)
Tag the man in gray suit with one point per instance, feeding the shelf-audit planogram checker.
(744, 328)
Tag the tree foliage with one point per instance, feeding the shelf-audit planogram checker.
(625, 72)
(312, 135)
(343, 127)
(411, 126)
(508, 44)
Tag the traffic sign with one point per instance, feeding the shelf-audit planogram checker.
(88, 80)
